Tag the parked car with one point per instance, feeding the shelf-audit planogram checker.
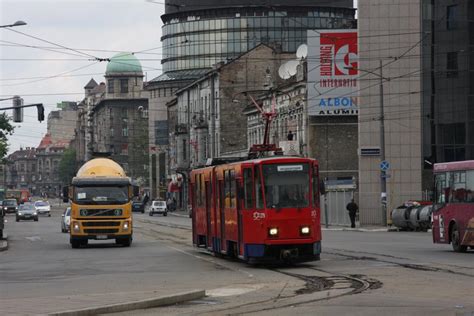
(138, 206)
(43, 207)
(26, 211)
(10, 206)
(66, 220)
(158, 207)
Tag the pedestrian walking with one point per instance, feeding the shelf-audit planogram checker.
(352, 208)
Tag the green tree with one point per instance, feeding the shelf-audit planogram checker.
(5, 129)
(67, 166)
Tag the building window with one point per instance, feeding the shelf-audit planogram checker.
(184, 149)
(452, 65)
(124, 149)
(110, 86)
(112, 132)
(123, 85)
(452, 17)
(125, 131)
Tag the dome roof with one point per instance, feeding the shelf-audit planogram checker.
(123, 62)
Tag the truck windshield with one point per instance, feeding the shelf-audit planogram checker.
(101, 195)
(286, 185)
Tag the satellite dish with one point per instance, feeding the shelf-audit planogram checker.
(291, 66)
(302, 51)
(283, 72)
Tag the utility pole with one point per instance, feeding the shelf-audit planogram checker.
(383, 175)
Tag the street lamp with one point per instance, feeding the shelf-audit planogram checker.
(383, 175)
(17, 23)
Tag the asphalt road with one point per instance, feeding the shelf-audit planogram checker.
(405, 273)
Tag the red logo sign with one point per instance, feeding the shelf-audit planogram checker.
(338, 54)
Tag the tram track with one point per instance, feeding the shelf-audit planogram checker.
(317, 288)
(411, 266)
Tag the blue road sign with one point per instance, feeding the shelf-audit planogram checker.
(384, 165)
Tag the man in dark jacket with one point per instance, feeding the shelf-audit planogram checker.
(352, 208)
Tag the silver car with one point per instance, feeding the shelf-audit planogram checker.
(66, 220)
(26, 211)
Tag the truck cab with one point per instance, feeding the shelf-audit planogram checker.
(101, 203)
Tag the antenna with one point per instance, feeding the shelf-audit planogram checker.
(291, 67)
(283, 72)
(302, 51)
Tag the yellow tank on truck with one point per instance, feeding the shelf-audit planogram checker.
(101, 203)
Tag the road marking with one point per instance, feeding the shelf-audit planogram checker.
(33, 238)
(250, 275)
(230, 291)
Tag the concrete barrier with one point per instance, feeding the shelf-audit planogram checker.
(134, 305)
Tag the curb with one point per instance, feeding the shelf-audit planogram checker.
(134, 305)
(365, 230)
(165, 224)
(178, 215)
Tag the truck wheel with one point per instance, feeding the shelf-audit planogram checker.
(126, 242)
(75, 243)
(165, 214)
(456, 240)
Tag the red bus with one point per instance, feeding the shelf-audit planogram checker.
(261, 210)
(21, 195)
(453, 209)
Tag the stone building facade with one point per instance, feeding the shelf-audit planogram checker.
(209, 112)
(119, 119)
(21, 169)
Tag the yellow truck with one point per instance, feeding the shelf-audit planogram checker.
(101, 203)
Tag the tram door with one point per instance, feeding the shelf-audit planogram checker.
(208, 213)
(221, 213)
(239, 216)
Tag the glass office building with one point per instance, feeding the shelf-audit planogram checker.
(198, 34)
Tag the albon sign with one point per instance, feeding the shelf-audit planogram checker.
(332, 72)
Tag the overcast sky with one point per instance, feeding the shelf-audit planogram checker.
(50, 74)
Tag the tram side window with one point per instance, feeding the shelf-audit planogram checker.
(248, 186)
(258, 189)
(233, 188)
(228, 188)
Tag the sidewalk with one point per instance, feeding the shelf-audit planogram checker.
(181, 213)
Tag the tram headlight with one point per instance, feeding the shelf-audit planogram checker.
(305, 230)
(273, 232)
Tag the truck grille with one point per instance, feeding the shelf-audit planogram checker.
(101, 231)
(101, 212)
(100, 223)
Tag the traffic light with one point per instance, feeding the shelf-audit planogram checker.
(40, 109)
(17, 109)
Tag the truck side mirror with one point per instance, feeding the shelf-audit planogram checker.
(322, 188)
(65, 194)
(136, 190)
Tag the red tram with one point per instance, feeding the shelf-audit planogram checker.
(260, 210)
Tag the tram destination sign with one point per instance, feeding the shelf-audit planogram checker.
(290, 168)
(332, 73)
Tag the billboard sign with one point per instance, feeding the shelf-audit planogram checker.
(332, 72)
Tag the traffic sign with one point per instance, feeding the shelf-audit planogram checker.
(384, 165)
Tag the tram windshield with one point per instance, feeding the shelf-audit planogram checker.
(286, 185)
